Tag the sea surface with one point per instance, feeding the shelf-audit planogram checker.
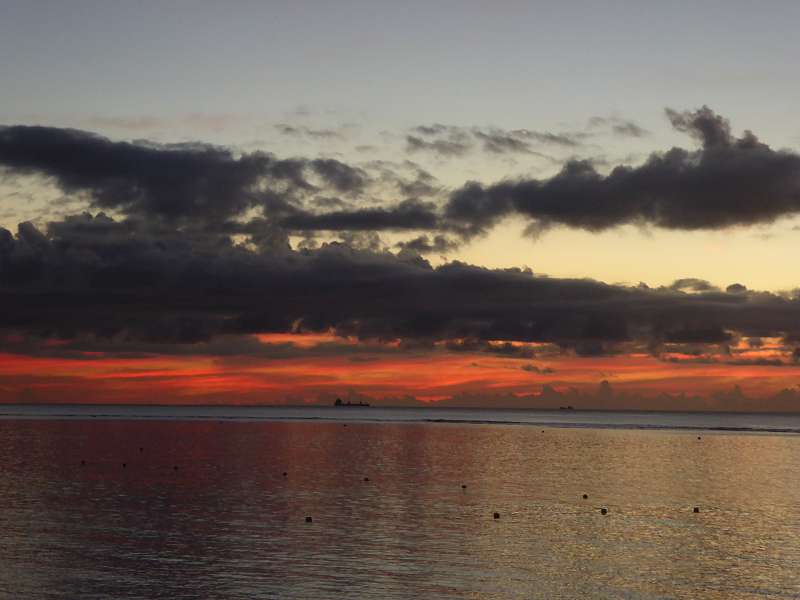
(212, 502)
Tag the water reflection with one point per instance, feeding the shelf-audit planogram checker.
(227, 523)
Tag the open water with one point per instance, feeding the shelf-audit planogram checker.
(157, 502)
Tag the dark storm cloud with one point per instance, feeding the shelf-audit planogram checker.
(410, 214)
(736, 288)
(175, 182)
(340, 176)
(728, 181)
(424, 244)
(148, 277)
(710, 129)
(223, 347)
(324, 213)
(699, 335)
(167, 180)
(96, 278)
(692, 284)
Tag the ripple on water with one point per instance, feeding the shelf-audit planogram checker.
(228, 524)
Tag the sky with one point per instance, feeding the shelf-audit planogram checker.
(515, 203)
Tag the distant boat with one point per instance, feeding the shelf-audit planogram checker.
(348, 403)
(566, 408)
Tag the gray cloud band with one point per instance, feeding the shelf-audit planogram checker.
(108, 278)
(727, 181)
(167, 269)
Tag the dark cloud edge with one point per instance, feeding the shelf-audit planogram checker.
(94, 276)
(727, 182)
(169, 271)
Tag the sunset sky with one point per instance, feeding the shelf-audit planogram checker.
(467, 203)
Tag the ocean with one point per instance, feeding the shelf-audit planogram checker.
(363, 503)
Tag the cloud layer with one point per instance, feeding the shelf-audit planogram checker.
(198, 245)
(119, 279)
(727, 181)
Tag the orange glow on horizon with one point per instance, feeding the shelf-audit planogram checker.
(429, 376)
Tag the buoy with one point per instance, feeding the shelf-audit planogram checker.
(699, 438)
(366, 478)
(463, 486)
(141, 449)
(586, 496)
(603, 511)
(497, 515)
(83, 463)
(284, 473)
(175, 468)
(124, 465)
(696, 509)
(309, 519)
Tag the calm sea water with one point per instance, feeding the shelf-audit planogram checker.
(193, 503)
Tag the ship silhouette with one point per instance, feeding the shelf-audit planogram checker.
(339, 402)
